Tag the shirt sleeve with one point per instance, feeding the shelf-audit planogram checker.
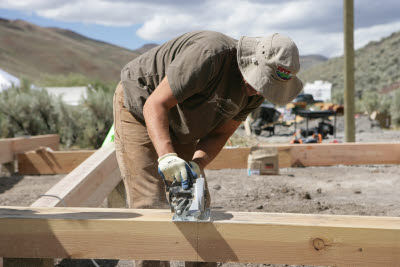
(190, 72)
(254, 103)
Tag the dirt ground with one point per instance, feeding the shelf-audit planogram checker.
(350, 190)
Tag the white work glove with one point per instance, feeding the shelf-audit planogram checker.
(172, 167)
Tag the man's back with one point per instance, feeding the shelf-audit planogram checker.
(204, 77)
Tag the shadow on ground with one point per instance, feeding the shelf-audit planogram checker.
(6, 183)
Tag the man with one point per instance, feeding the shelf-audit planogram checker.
(178, 104)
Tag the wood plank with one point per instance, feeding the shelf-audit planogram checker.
(11, 146)
(6, 153)
(42, 161)
(88, 184)
(59, 162)
(236, 158)
(338, 154)
(230, 158)
(230, 237)
(315, 155)
(24, 144)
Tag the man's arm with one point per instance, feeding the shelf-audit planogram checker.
(155, 112)
(209, 147)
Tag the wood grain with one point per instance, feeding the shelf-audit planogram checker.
(230, 158)
(9, 147)
(88, 184)
(230, 237)
(298, 155)
(338, 154)
(42, 161)
(328, 154)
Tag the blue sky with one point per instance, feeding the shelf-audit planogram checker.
(315, 25)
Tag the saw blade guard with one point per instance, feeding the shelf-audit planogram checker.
(189, 205)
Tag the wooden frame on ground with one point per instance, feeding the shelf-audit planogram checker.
(57, 162)
(9, 147)
(41, 231)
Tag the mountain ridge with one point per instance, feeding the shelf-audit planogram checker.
(31, 51)
(377, 66)
(47, 53)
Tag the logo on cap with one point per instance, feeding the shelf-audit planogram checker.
(283, 74)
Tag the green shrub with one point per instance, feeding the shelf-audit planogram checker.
(26, 111)
(72, 79)
(338, 97)
(370, 102)
(97, 115)
(385, 103)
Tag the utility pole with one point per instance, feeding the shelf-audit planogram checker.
(348, 30)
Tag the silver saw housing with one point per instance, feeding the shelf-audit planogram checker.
(190, 204)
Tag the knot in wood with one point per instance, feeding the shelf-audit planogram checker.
(318, 244)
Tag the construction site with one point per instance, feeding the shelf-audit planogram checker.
(314, 182)
(328, 205)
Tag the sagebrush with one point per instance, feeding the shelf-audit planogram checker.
(31, 111)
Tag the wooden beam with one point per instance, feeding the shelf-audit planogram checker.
(236, 158)
(338, 154)
(11, 146)
(88, 184)
(59, 162)
(230, 158)
(42, 161)
(230, 236)
(23, 144)
(326, 154)
(6, 154)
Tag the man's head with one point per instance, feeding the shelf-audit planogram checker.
(269, 65)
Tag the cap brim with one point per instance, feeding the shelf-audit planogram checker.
(261, 77)
(278, 92)
(281, 92)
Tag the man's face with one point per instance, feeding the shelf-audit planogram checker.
(250, 91)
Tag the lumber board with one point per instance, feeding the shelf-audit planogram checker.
(23, 144)
(6, 153)
(88, 184)
(62, 162)
(338, 154)
(42, 161)
(230, 158)
(11, 146)
(325, 154)
(229, 237)
(236, 158)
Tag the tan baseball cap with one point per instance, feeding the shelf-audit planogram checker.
(270, 64)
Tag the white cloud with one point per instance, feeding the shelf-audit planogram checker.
(316, 26)
(363, 36)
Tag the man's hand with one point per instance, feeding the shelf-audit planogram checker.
(172, 167)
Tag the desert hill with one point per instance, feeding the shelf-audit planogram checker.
(46, 53)
(31, 51)
(377, 68)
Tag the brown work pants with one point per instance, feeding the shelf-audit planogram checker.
(137, 160)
